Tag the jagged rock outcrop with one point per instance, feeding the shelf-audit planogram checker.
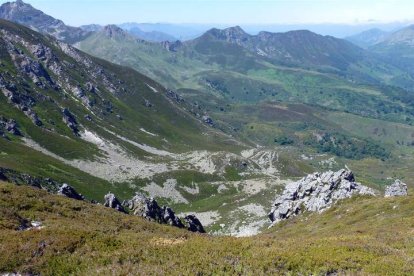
(194, 224)
(33, 117)
(10, 126)
(206, 119)
(174, 96)
(22, 102)
(112, 202)
(170, 217)
(398, 188)
(70, 120)
(315, 193)
(148, 208)
(172, 46)
(70, 192)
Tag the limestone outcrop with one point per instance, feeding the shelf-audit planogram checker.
(398, 188)
(112, 201)
(315, 193)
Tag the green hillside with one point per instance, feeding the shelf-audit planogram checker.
(369, 236)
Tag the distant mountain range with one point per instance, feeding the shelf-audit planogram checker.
(153, 36)
(368, 38)
(91, 27)
(396, 48)
(301, 47)
(178, 31)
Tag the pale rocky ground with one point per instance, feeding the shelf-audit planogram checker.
(118, 165)
(206, 218)
(167, 190)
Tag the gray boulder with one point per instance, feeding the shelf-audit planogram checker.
(398, 188)
(315, 193)
(112, 202)
(70, 192)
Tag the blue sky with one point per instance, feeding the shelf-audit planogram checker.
(243, 12)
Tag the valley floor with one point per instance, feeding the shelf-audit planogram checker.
(363, 235)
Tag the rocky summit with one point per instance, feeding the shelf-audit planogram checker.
(315, 193)
(25, 14)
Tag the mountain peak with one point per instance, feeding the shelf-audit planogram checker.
(114, 31)
(17, 6)
(19, 3)
(233, 34)
(235, 30)
(25, 14)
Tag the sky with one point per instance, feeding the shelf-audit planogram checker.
(230, 12)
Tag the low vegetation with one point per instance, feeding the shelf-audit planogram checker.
(363, 235)
(348, 147)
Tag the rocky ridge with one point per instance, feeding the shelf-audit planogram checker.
(140, 205)
(316, 193)
(25, 14)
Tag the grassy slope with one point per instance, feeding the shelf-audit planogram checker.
(371, 237)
